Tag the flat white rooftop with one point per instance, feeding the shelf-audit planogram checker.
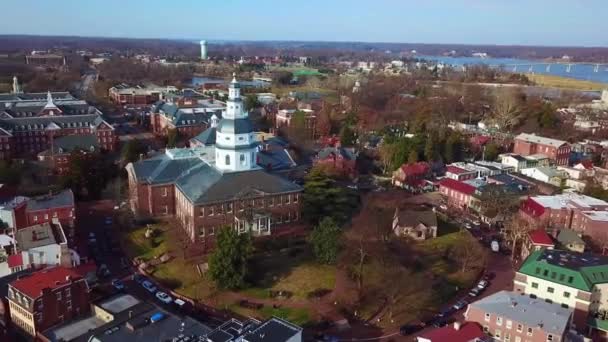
(568, 201)
(120, 303)
(78, 328)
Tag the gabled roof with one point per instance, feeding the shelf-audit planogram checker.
(15, 260)
(532, 138)
(51, 278)
(455, 170)
(457, 186)
(467, 332)
(70, 143)
(346, 153)
(207, 137)
(419, 168)
(569, 237)
(531, 312)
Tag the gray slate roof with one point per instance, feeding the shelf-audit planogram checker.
(62, 199)
(238, 126)
(569, 236)
(207, 137)
(523, 309)
(411, 218)
(69, 143)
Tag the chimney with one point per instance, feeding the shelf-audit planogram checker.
(456, 325)
(130, 314)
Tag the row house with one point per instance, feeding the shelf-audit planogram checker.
(583, 214)
(47, 298)
(514, 317)
(463, 171)
(572, 280)
(19, 212)
(529, 144)
(30, 125)
(458, 194)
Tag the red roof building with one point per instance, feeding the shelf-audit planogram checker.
(412, 176)
(535, 241)
(457, 332)
(47, 298)
(459, 174)
(458, 194)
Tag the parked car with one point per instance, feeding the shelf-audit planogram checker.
(495, 246)
(118, 285)
(442, 322)
(104, 271)
(475, 292)
(148, 285)
(446, 312)
(409, 329)
(163, 297)
(461, 304)
(108, 220)
(477, 223)
(482, 284)
(468, 225)
(139, 278)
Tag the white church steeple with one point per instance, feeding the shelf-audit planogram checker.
(235, 144)
(16, 86)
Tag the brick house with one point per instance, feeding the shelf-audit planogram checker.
(456, 332)
(47, 298)
(209, 187)
(283, 120)
(411, 176)
(529, 144)
(29, 123)
(535, 241)
(338, 160)
(573, 280)
(457, 194)
(510, 316)
(60, 206)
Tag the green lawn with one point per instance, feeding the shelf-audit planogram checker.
(137, 245)
(184, 279)
(297, 316)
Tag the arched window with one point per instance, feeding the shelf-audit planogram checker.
(227, 159)
(242, 158)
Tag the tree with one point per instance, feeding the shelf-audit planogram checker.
(413, 157)
(322, 197)
(491, 151)
(325, 240)
(387, 153)
(87, 174)
(454, 147)
(430, 148)
(506, 112)
(517, 229)
(228, 262)
(323, 122)
(172, 138)
(251, 102)
(467, 253)
(9, 173)
(347, 136)
(297, 131)
(131, 151)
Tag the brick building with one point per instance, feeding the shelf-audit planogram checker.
(583, 214)
(209, 187)
(58, 155)
(137, 95)
(47, 298)
(529, 144)
(457, 194)
(411, 176)
(573, 280)
(510, 316)
(189, 115)
(29, 123)
(284, 118)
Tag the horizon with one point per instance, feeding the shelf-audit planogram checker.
(459, 22)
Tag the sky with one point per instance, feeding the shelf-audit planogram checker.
(500, 22)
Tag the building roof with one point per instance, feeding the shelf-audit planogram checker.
(51, 278)
(532, 138)
(346, 153)
(15, 260)
(532, 312)
(411, 218)
(70, 143)
(467, 332)
(415, 169)
(569, 237)
(64, 198)
(273, 330)
(457, 186)
(568, 200)
(207, 137)
(540, 237)
(596, 215)
(235, 126)
(549, 171)
(456, 170)
(578, 270)
(40, 235)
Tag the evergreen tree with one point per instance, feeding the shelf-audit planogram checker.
(228, 264)
(347, 136)
(325, 240)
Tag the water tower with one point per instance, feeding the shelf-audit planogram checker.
(203, 49)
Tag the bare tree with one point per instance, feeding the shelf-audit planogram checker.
(517, 229)
(468, 254)
(507, 111)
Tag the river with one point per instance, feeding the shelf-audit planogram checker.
(581, 71)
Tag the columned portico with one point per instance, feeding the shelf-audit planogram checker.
(258, 225)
